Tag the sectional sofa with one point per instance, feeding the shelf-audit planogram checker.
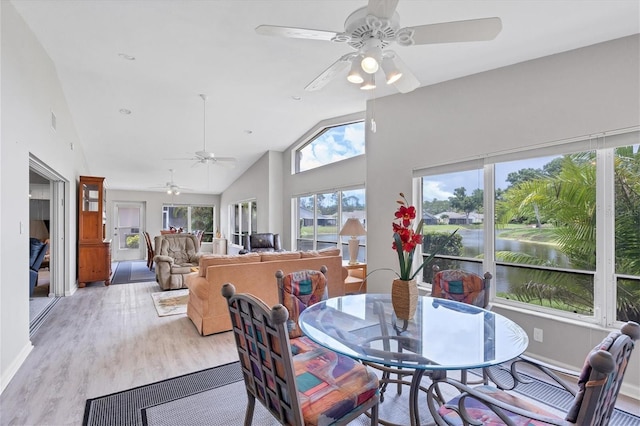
(251, 273)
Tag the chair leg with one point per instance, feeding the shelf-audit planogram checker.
(374, 415)
(251, 403)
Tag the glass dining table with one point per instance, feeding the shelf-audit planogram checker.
(443, 335)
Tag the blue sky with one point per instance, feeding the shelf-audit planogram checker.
(441, 187)
(337, 143)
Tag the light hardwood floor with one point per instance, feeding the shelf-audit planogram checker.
(107, 339)
(99, 341)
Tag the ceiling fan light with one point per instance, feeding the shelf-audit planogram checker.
(355, 76)
(391, 71)
(371, 61)
(369, 83)
(169, 191)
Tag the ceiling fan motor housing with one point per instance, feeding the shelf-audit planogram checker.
(362, 26)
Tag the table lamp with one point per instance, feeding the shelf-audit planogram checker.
(354, 228)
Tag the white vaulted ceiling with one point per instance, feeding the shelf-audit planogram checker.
(185, 48)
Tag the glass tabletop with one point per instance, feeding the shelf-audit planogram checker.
(443, 335)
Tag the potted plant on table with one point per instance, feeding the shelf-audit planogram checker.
(404, 290)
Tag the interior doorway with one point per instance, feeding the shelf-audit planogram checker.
(48, 192)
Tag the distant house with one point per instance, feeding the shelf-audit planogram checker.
(455, 218)
(429, 219)
(306, 217)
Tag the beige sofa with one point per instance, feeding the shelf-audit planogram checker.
(253, 273)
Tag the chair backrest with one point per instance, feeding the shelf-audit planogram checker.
(147, 239)
(37, 251)
(299, 290)
(461, 286)
(265, 354)
(183, 248)
(601, 377)
(262, 242)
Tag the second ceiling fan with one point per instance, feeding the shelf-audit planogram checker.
(369, 30)
(204, 156)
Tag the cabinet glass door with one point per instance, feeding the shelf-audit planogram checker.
(90, 197)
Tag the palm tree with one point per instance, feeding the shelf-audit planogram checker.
(567, 200)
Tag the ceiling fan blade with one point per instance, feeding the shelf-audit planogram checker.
(408, 82)
(224, 160)
(330, 73)
(483, 29)
(291, 32)
(382, 8)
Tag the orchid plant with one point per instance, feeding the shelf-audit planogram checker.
(406, 239)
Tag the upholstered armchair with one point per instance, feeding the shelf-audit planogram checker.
(175, 256)
(37, 251)
(262, 242)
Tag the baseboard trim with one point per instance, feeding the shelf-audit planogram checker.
(8, 374)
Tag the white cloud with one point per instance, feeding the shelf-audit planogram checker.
(433, 189)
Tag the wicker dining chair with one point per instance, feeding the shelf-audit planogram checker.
(312, 388)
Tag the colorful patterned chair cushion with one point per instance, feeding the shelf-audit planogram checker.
(461, 286)
(331, 385)
(479, 411)
(302, 344)
(299, 290)
(317, 387)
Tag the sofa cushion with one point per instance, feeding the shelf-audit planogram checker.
(225, 259)
(333, 251)
(277, 256)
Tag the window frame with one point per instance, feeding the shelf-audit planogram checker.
(340, 215)
(189, 224)
(318, 130)
(604, 275)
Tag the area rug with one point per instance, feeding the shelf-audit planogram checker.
(216, 396)
(127, 272)
(171, 302)
(125, 408)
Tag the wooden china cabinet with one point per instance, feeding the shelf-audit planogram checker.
(94, 251)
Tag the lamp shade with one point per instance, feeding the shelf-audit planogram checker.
(353, 227)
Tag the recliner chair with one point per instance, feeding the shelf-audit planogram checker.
(37, 251)
(258, 242)
(175, 257)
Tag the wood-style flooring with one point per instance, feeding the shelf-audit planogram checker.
(99, 341)
(107, 339)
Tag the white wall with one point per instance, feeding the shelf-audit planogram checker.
(30, 93)
(262, 182)
(581, 92)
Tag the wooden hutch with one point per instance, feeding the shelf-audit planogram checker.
(94, 251)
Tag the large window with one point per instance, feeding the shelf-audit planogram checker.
(320, 218)
(244, 221)
(454, 201)
(559, 227)
(330, 145)
(190, 219)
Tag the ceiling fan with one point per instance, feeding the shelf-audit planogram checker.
(171, 187)
(204, 156)
(370, 30)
